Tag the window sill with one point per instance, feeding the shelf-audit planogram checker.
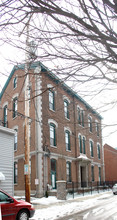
(53, 146)
(67, 118)
(14, 117)
(52, 110)
(68, 150)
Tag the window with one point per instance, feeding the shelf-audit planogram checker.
(3, 198)
(66, 109)
(15, 172)
(67, 140)
(99, 174)
(15, 82)
(92, 173)
(15, 140)
(97, 128)
(14, 107)
(68, 171)
(90, 123)
(51, 100)
(53, 173)
(52, 134)
(83, 140)
(80, 117)
(98, 151)
(5, 116)
(82, 144)
(91, 148)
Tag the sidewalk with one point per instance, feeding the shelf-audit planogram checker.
(42, 203)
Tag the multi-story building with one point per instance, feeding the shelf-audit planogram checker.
(65, 131)
(110, 161)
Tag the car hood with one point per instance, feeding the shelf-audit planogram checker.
(22, 202)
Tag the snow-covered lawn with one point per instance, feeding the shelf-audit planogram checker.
(50, 208)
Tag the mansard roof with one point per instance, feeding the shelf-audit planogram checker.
(54, 78)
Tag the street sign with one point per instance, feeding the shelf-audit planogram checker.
(26, 169)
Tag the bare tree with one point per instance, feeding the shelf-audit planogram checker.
(79, 37)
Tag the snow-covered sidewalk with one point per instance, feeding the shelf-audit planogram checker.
(50, 208)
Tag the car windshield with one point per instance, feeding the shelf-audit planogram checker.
(3, 197)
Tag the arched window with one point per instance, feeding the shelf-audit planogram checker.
(15, 140)
(67, 140)
(83, 141)
(14, 107)
(15, 82)
(80, 143)
(68, 171)
(90, 123)
(5, 116)
(53, 173)
(91, 148)
(52, 134)
(98, 151)
(15, 172)
(92, 173)
(80, 116)
(66, 109)
(51, 100)
(97, 128)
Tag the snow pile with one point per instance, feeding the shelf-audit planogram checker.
(53, 208)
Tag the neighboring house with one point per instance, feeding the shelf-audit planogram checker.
(65, 131)
(7, 160)
(110, 160)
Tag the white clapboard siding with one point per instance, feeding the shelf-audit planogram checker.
(7, 159)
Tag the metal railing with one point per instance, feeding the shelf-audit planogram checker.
(83, 188)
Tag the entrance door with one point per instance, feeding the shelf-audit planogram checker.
(83, 176)
(53, 173)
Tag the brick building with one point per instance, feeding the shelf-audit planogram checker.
(65, 132)
(110, 160)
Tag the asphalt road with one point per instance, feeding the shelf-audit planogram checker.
(106, 209)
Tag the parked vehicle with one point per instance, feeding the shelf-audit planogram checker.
(114, 189)
(11, 209)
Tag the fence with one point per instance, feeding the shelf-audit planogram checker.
(88, 187)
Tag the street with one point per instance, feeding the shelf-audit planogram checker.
(106, 209)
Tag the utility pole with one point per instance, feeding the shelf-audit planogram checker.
(26, 133)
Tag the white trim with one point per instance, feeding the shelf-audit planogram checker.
(15, 127)
(15, 95)
(53, 157)
(68, 160)
(67, 129)
(5, 104)
(91, 140)
(49, 86)
(66, 98)
(53, 121)
(7, 130)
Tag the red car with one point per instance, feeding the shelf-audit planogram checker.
(12, 209)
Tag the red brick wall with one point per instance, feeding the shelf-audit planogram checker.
(110, 160)
(58, 115)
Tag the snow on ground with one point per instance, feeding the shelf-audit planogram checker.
(50, 208)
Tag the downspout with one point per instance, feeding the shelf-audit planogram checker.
(75, 138)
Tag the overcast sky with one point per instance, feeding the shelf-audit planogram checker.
(9, 56)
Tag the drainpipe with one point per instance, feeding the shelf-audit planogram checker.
(75, 138)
